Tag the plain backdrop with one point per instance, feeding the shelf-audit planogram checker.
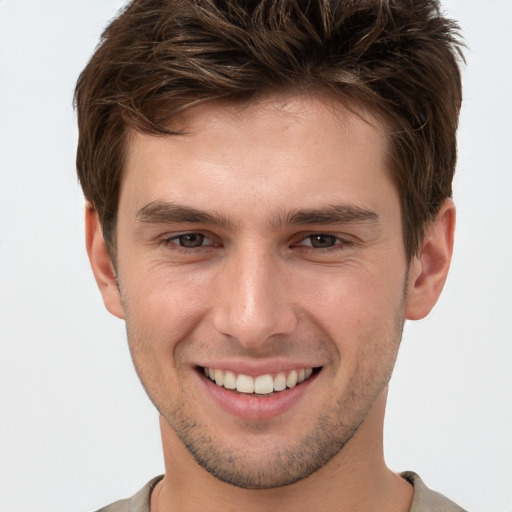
(76, 429)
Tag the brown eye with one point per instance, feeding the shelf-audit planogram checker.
(190, 240)
(321, 241)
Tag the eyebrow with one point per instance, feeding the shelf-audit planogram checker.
(162, 212)
(332, 214)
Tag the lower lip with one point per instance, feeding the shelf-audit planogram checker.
(252, 407)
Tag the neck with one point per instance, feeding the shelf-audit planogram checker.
(355, 480)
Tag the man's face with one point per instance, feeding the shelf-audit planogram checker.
(266, 242)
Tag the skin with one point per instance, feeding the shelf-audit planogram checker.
(257, 291)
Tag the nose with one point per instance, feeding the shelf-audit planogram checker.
(255, 302)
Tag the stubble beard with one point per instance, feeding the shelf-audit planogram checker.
(281, 466)
(253, 470)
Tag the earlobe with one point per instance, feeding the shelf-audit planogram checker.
(429, 268)
(101, 263)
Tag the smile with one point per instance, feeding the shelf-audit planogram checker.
(261, 384)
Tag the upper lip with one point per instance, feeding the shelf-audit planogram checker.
(258, 367)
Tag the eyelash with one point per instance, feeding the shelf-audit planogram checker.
(172, 242)
(339, 242)
(338, 245)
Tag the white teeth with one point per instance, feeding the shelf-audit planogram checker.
(219, 377)
(262, 384)
(245, 384)
(280, 382)
(229, 380)
(291, 381)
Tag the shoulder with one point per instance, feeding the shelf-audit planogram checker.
(139, 502)
(426, 500)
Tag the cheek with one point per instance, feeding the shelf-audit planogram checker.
(355, 299)
(162, 294)
(161, 311)
(361, 313)
(159, 318)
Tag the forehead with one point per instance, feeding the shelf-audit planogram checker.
(302, 149)
(318, 111)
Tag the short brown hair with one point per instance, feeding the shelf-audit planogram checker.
(399, 58)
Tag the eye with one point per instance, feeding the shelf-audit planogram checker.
(189, 240)
(322, 241)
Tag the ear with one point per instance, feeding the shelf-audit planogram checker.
(429, 268)
(101, 262)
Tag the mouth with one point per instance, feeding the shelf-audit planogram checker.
(261, 385)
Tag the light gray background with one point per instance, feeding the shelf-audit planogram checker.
(76, 430)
